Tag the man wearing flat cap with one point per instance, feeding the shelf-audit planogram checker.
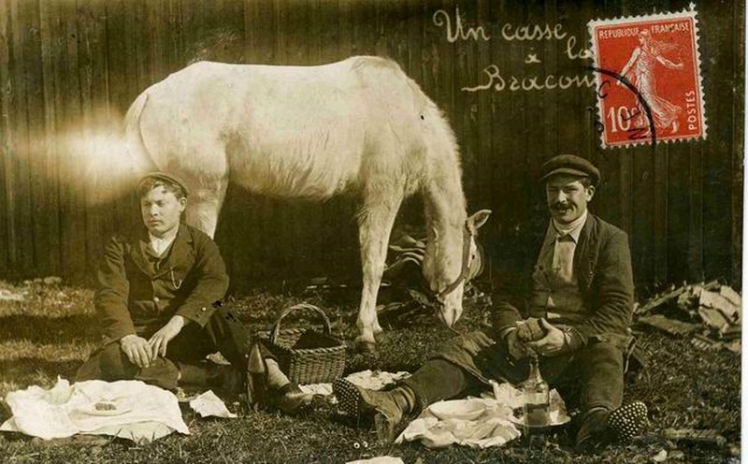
(576, 319)
(159, 302)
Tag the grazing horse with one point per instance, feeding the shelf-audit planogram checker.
(358, 125)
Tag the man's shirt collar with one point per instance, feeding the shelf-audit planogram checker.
(161, 244)
(576, 229)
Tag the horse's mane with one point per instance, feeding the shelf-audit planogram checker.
(359, 62)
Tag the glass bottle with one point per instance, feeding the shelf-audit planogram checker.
(536, 395)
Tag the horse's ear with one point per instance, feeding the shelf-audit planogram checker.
(477, 220)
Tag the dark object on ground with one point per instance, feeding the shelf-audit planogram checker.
(711, 309)
(693, 436)
(671, 326)
(670, 295)
(256, 378)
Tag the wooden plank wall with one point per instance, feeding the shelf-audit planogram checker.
(65, 65)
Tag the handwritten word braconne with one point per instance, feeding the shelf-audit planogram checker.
(495, 81)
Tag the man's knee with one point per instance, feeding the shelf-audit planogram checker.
(597, 353)
(107, 363)
(601, 362)
(471, 342)
(114, 364)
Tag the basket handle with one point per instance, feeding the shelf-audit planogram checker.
(304, 306)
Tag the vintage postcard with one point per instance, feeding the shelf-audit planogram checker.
(365, 231)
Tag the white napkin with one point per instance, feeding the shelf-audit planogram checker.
(492, 427)
(378, 460)
(208, 404)
(127, 409)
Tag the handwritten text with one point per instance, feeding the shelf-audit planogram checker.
(455, 30)
(442, 18)
(495, 81)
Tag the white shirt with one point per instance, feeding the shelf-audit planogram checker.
(159, 245)
(567, 237)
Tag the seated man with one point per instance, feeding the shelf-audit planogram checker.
(158, 299)
(578, 316)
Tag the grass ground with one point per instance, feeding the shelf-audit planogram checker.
(53, 330)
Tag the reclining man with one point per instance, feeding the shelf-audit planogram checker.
(576, 320)
(159, 302)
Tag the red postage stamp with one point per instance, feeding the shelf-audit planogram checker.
(648, 79)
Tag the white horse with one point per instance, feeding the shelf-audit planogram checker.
(359, 125)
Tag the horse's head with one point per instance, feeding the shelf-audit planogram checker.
(453, 258)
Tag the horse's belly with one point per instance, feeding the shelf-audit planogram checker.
(284, 170)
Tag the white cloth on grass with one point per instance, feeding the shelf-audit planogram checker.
(373, 380)
(209, 405)
(126, 409)
(378, 460)
(495, 424)
(493, 427)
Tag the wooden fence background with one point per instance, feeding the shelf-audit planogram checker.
(70, 68)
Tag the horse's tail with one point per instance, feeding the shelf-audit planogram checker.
(140, 158)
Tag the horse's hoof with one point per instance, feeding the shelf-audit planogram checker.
(366, 347)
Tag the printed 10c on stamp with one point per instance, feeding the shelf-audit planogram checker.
(648, 78)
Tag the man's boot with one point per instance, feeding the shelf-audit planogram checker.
(628, 421)
(290, 398)
(600, 426)
(386, 408)
(267, 385)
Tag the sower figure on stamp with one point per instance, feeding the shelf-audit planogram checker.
(576, 318)
(640, 69)
(159, 302)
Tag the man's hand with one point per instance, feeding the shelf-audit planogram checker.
(551, 344)
(160, 340)
(529, 330)
(517, 349)
(137, 350)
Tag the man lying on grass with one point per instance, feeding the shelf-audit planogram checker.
(576, 320)
(158, 300)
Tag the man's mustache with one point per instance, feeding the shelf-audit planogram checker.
(560, 206)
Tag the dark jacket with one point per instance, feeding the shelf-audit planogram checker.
(132, 297)
(602, 264)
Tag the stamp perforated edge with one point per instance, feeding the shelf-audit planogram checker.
(688, 12)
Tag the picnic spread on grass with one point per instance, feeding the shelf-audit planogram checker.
(142, 413)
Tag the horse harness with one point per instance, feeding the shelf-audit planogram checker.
(464, 277)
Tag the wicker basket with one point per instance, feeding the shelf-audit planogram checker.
(307, 356)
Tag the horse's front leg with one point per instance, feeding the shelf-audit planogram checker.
(375, 224)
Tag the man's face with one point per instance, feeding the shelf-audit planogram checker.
(567, 198)
(161, 210)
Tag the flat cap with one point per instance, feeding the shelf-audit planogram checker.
(168, 178)
(572, 165)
